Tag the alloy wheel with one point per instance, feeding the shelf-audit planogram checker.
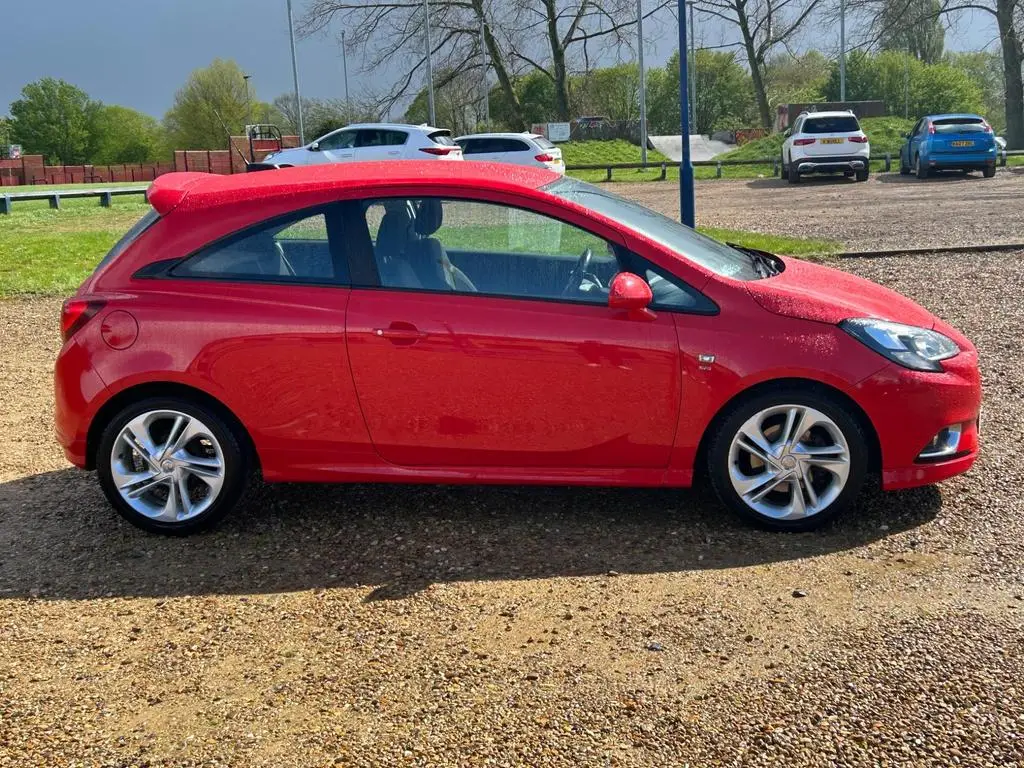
(167, 465)
(789, 462)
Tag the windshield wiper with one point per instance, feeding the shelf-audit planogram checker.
(762, 261)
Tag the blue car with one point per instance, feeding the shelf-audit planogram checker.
(949, 143)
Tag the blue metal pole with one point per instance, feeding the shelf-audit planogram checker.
(686, 197)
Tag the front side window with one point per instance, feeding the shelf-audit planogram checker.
(338, 140)
(688, 243)
(472, 247)
(293, 250)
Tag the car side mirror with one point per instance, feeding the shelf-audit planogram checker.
(631, 293)
(906, 135)
(314, 147)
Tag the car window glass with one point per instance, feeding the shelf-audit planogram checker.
(469, 247)
(960, 125)
(294, 250)
(339, 140)
(471, 146)
(669, 291)
(444, 138)
(510, 145)
(840, 124)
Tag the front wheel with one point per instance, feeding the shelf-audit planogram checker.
(169, 465)
(788, 461)
(793, 173)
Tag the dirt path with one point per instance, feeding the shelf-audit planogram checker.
(887, 211)
(378, 626)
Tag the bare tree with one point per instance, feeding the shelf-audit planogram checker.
(764, 26)
(518, 35)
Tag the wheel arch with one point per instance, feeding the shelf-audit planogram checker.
(789, 385)
(162, 389)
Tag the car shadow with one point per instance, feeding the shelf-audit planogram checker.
(938, 178)
(63, 541)
(808, 181)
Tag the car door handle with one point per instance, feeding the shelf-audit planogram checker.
(400, 333)
(394, 152)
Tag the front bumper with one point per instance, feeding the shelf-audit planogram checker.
(908, 408)
(827, 164)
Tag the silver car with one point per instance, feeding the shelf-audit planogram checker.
(368, 142)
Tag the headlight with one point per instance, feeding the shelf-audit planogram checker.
(917, 348)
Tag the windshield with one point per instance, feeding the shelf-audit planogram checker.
(708, 253)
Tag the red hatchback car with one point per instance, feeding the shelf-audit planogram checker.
(472, 323)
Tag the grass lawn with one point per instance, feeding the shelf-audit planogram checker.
(48, 252)
(5, 190)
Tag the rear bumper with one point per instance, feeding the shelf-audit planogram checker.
(78, 391)
(825, 164)
(958, 160)
(908, 408)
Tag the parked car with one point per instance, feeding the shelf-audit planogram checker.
(949, 143)
(826, 142)
(516, 148)
(453, 323)
(366, 142)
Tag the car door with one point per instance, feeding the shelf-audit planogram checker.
(379, 144)
(500, 360)
(337, 147)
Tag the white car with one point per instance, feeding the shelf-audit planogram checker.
(367, 142)
(825, 142)
(516, 148)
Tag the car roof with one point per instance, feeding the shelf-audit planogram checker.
(401, 126)
(505, 135)
(833, 113)
(169, 191)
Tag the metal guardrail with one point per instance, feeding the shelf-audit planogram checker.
(54, 197)
(106, 195)
(718, 165)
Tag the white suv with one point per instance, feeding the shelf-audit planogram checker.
(368, 142)
(825, 142)
(518, 148)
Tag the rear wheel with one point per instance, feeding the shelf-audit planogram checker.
(863, 175)
(920, 170)
(788, 460)
(989, 171)
(169, 465)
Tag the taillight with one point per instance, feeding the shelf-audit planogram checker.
(859, 139)
(75, 313)
(544, 158)
(803, 142)
(440, 151)
(988, 128)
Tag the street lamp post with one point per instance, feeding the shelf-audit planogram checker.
(430, 65)
(842, 50)
(643, 83)
(344, 69)
(295, 75)
(248, 100)
(686, 196)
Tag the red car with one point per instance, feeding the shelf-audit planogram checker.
(472, 323)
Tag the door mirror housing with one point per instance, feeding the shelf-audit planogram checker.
(314, 147)
(630, 292)
(906, 135)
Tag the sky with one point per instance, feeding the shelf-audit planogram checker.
(137, 53)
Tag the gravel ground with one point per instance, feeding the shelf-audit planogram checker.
(372, 626)
(948, 210)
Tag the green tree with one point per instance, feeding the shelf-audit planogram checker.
(213, 104)
(912, 26)
(796, 79)
(724, 94)
(55, 119)
(123, 135)
(612, 92)
(985, 68)
(5, 133)
(534, 102)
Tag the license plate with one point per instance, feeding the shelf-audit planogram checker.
(832, 141)
(962, 143)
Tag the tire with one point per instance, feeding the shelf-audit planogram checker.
(863, 175)
(920, 170)
(904, 169)
(989, 171)
(793, 174)
(210, 461)
(732, 468)
(783, 168)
